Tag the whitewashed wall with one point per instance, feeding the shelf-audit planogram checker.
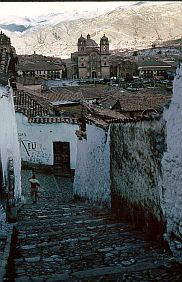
(9, 145)
(36, 140)
(136, 153)
(92, 174)
(172, 169)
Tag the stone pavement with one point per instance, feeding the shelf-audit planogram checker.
(5, 243)
(59, 239)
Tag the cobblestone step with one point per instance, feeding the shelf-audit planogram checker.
(69, 241)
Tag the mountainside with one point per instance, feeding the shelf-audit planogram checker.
(136, 26)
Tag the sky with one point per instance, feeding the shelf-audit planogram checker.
(34, 9)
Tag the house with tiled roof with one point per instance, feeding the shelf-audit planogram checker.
(138, 106)
(134, 105)
(69, 99)
(46, 140)
(154, 68)
(39, 66)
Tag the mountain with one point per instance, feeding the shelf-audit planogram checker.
(15, 24)
(135, 26)
(20, 24)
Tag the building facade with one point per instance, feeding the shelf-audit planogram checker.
(91, 60)
(8, 58)
(123, 68)
(48, 141)
(39, 66)
(152, 69)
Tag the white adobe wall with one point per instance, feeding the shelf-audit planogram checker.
(172, 169)
(9, 145)
(36, 140)
(92, 174)
(136, 153)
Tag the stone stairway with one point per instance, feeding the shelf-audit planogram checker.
(63, 240)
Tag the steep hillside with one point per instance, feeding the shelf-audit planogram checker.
(136, 26)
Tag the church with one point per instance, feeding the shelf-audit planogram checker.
(91, 60)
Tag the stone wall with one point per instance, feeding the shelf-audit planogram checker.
(136, 153)
(92, 174)
(172, 169)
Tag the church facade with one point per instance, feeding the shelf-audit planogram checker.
(91, 60)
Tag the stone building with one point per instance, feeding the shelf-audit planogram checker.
(122, 68)
(8, 57)
(91, 60)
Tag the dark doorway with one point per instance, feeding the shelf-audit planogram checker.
(94, 75)
(61, 158)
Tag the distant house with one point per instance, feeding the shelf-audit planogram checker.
(39, 66)
(30, 83)
(138, 106)
(91, 60)
(68, 100)
(152, 68)
(134, 105)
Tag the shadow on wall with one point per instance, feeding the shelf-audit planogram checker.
(139, 217)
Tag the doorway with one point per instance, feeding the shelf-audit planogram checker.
(94, 74)
(61, 158)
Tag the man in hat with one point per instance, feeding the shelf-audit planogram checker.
(34, 188)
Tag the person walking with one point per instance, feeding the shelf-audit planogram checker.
(34, 188)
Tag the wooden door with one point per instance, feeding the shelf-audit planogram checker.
(61, 158)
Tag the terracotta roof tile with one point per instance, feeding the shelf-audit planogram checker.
(76, 93)
(143, 103)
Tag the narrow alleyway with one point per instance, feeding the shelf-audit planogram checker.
(59, 239)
